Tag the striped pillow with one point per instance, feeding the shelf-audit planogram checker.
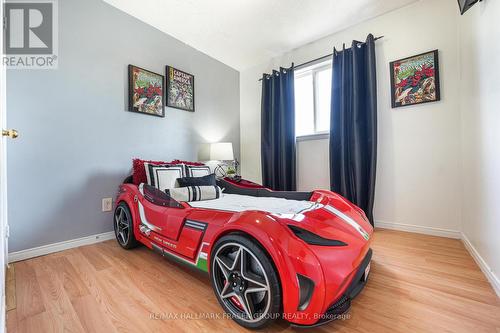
(163, 176)
(197, 170)
(194, 193)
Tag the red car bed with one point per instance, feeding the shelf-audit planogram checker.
(299, 255)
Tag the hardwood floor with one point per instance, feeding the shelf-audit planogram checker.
(418, 283)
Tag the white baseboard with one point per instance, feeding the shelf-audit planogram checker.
(419, 229)
(56, 247)
(487, 271)
(485, 268)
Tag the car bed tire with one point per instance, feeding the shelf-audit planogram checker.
(270, 270)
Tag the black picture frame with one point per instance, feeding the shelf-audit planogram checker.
(132, 97)
(426, 98)
(170, 73)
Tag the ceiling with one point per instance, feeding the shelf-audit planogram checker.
(242, 33)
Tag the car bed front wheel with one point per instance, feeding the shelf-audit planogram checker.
(124, 227)
(245, 281)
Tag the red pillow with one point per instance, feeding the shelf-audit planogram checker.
(139, 173)
(186, 162)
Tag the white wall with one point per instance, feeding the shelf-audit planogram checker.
(480, 98)
(313, 164)
(419, 147)
(77, 134)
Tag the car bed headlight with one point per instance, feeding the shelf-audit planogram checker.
(313, 239)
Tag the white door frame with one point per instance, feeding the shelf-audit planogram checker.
(3, 183)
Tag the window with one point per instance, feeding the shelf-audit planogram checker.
(312, 99)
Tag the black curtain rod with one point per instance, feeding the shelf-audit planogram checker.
(324, 57)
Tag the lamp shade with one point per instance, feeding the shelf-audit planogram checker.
(221, 151)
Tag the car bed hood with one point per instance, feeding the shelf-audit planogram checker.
(333, 217)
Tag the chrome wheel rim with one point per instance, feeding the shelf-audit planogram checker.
(122, 230)
(241, 282)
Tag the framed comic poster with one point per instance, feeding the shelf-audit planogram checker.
(415, 80)
(180, 89)
(146, 91)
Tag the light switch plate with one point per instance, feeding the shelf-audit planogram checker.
(107, 204)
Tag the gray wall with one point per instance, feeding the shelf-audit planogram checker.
(76, 138)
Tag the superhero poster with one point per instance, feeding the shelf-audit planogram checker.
(415, 80)
(145, 91)
(180, 89)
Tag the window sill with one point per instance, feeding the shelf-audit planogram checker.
(317, 136)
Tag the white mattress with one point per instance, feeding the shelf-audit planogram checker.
(239, 203)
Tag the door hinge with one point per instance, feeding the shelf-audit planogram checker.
(7, 231)
(4, 22)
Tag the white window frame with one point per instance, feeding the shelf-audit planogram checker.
(314, 69)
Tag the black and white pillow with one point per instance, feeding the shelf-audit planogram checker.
(197, 170)
(197, 181)
(195, 193)
(163, 176)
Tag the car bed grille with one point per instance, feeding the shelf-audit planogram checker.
(341, 306)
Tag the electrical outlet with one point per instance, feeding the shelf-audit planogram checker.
(107, 204)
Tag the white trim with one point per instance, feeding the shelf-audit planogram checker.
(314, 136)
(56, 247)
(419, 229)
(144, 220)
(3, 184)
(485, 268)
(318, 64)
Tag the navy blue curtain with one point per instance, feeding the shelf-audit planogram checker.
(278, 130)
(353, 124)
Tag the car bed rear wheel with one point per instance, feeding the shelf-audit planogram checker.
(124, 227)
(245, 281)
